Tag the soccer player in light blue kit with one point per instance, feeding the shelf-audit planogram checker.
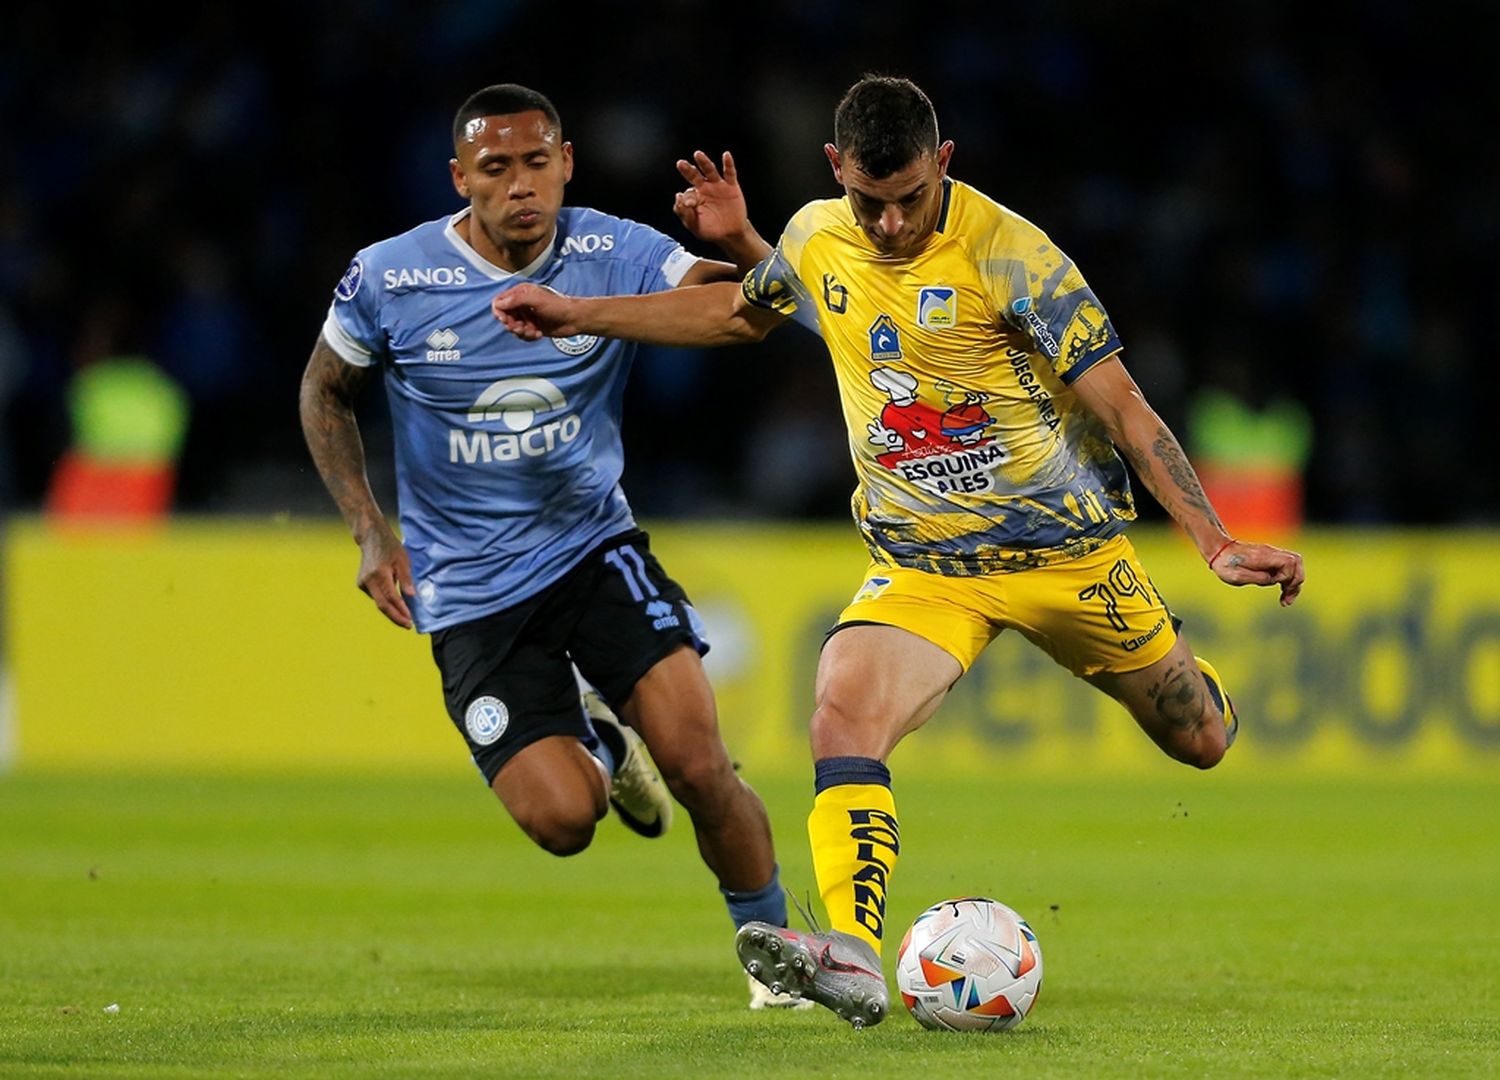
(521, 557)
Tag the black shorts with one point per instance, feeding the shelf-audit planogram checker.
(508, 677)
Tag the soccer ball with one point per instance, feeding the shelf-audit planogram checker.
(969, 964)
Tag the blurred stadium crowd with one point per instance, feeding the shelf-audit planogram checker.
(1267, 212)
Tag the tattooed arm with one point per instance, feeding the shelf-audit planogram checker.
(329, 387)
(1108, 391)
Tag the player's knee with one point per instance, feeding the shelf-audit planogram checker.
(559, 832)
(699, 781)
(837, 730)
(1204, 747)
(1208, 752)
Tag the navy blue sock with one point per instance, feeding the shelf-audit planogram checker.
(599, 745)
(830, 772)
(766, 904)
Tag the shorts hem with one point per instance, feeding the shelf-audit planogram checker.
(616, 695)
(963, 667)
(490, 767)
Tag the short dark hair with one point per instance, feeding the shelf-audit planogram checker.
(885, 124)
(502, 99)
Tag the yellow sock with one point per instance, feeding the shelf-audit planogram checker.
(1221, 698)
(855, 840)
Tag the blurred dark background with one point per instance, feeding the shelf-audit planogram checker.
(1293, 202)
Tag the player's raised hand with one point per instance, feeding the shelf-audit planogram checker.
(713, 208)
(532, 312)
(385, 573)
(1243, 562)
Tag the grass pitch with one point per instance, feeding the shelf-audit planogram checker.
(1191, 925)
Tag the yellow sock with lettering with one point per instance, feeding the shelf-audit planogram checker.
(855, 840)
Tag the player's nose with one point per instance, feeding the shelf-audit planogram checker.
(891, 220)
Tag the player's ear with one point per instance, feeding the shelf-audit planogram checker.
(944, 155)
(567, 157)
(834, 160)
(456, 170)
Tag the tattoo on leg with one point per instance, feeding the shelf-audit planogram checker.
(1179, 698)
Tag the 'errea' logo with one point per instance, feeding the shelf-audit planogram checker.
(517, 404)
(441, 347)
(662, 616)
(586, 244)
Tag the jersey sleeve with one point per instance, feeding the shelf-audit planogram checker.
(775, 283)
(352, 327)
(663, 262)
(1037, 289)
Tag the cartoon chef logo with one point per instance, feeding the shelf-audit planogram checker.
(940, 451)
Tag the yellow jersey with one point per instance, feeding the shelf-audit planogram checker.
(954, 365)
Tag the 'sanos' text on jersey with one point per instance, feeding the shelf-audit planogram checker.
(410, 276)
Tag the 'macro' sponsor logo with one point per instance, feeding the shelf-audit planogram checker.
(517, 404)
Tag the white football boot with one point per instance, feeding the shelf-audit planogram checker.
(637, 792)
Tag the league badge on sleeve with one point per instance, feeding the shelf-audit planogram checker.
(349, 284)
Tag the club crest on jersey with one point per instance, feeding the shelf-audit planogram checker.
(937, 307)
(349, 284)
(885, 339)
(872, 589)
(576, 345)
(486, 719)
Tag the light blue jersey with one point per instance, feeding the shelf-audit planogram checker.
(508, 454)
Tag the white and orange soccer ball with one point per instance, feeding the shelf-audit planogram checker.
(969, 964)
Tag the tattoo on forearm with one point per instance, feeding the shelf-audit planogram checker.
(329, 387)
(1175, 463)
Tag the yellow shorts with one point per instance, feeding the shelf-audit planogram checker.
(1099, 613)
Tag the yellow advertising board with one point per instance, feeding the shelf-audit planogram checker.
(240, 645)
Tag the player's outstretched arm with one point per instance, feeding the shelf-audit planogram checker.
(713, 209)
(326, 403)
(705, 315)
(1108, 391)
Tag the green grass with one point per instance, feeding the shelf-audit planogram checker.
(1191, 925)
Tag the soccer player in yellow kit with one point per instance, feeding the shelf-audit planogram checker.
(987, 409)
